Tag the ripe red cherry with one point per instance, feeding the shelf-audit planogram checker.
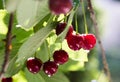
(60, 57)
(61, 26)
(89, 41)
(50, 68)
(9, 79)
(60, 6)
(34, 65)
(75, 41)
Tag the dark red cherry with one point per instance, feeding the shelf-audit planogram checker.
(89, 41)
(75, 41)
(58, 7)
(50, 68)
(61, 26)
(8, 79)
(60, 56)
(34, 65)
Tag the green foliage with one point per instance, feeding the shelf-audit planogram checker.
(33, 78)
(1, 4)
(30, 12)
(3, 25)
(33, 43)
(12, 5)
(33, 38)
(58, 77)
(41, 77)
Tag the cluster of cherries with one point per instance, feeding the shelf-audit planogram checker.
(34, 65)
(75, 40)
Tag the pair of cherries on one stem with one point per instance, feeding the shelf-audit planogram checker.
(75, 40)
(34, 65)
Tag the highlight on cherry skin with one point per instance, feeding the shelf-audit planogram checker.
(34, 65)
(50, 68)
(60, 57)
(58, 7)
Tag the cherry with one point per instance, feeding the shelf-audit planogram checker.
(89, 41)
(34, 65)
(60, 6)
(50, 68)
(75, 41)
(60, 56)
(9, 79)
(61, 26)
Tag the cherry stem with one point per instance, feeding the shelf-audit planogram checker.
(35, 54)
(105, 64)
(76, 23)
(61, 45)
(65, 18)
(48, 47)
(85, 22)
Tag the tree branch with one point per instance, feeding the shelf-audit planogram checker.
(8, 45)
(92, 14)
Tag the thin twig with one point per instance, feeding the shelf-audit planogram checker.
(92, 14)
(7, 45)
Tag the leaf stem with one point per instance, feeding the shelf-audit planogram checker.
(8, 45)
(85, 22)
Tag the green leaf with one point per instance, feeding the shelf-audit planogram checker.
(13, 68)
(43, 53)
(40, 24)
(3, 20)
(72, 65)
(30, 12)
(33, 43)
(1, 57)
(33, 77)
(51, 43)
(21, 35)
(58, 77)
(19, 77)
(12, 5)
(1, 4)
